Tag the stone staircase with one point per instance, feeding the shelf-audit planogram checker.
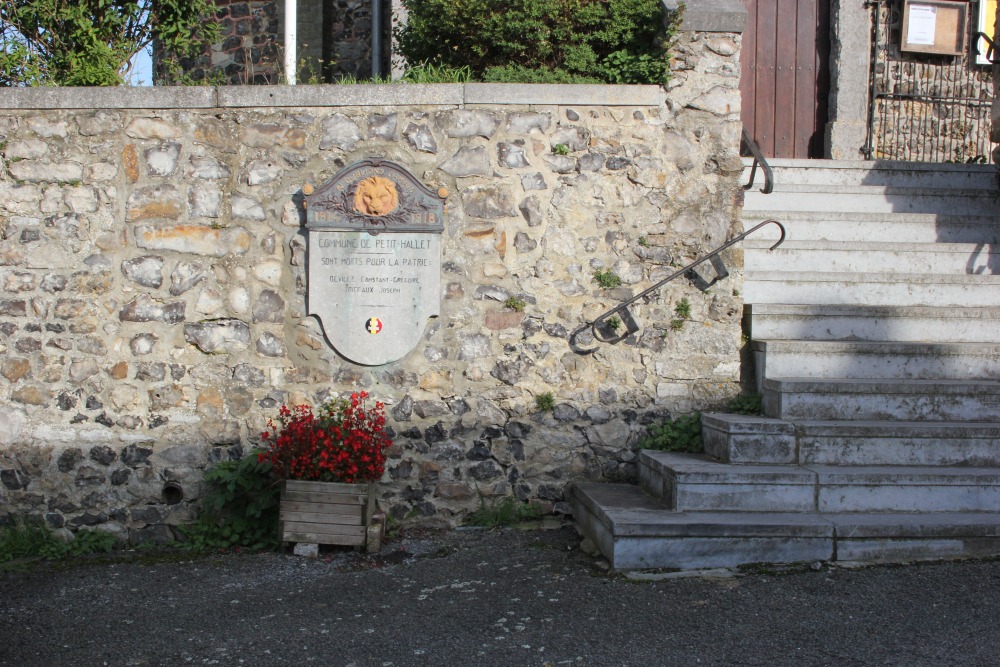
(875, 331)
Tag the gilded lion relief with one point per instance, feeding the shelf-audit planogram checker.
(376, 196)
(374, 260)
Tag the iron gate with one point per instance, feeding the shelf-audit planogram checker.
(926, 108)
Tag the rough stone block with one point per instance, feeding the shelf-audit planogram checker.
(195, 239)
(161, 201)
(306, 550)
(34, 171)
(218, 337)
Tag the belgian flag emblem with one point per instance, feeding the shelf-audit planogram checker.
(373, 325)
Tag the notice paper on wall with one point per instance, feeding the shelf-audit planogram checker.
(922, 22)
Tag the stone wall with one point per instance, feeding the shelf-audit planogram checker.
(334, 40)
(152, 283)
(929, 108)
(250, 49)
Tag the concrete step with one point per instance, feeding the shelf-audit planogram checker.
(752, 439)
(896, 289)
(881, 400)
(874, 227)
(875, 360)
(902, 174)
(873, 199)
(749, 439)
(872, 257)
(694, 483)
(634, 532)
(691, 482)
(875, 323)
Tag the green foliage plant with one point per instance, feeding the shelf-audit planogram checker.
(93, 42)
(26, 538)
(508, 511)
(514, 303)
(520, 74)
(545, 401)
(750, 404)
(437, 73)
(683, 309)
(677, 435)
(85, 542)
(560, 149)
(30, 538)
(239, 509)
(614, 323)
(540, 41)
(607, 279)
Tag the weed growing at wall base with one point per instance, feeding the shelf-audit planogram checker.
(240, 508)
(30, 538)
(747, 405)
(678, 435)
(507, 511)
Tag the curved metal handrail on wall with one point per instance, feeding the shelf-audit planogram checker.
(758, 159)
(622, 309)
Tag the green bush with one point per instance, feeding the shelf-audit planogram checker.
(540, 41)
(678, 435)
(522, 74)
(90, 42)
(240, 508)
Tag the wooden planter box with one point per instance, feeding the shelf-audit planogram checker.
(329, 513)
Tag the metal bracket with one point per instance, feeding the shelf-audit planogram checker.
(603, 332)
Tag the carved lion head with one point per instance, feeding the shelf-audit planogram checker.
(376, 196)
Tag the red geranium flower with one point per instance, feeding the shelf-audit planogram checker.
(344, 441)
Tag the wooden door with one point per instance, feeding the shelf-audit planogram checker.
(786, 79)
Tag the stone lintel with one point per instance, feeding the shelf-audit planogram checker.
(710, 15)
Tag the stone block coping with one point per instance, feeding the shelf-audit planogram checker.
(342, 95)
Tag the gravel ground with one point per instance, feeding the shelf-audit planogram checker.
(488, 598)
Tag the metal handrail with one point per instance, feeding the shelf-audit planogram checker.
(622, 308)
(992, 46)
(758, 158)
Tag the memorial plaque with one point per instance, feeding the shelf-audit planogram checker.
(374, 260)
